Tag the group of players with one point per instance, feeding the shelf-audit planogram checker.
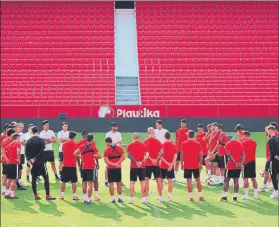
(159, 155)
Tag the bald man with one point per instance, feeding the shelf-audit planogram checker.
(155, 151)
(137, 153)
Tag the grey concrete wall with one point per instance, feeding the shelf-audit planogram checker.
(140, 125)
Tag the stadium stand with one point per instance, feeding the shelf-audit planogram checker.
(57, 53)
(208, 53)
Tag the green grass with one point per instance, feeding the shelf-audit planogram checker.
(180, 212)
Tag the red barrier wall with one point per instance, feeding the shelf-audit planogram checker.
(138, 111)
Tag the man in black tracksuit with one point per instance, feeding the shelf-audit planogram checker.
(34, 148)
(273, 143)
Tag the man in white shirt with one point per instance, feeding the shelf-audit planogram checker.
(48, 154)
(63, 136)
(27, 136)
(160, 131)
(116, 140)
(19, 128)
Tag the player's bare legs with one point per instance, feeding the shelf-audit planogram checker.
(146, 191)
(170, 188)
(106, 178)
(225, 189)
(63, 187)
(96, 189)
(7, 192)
(84, 191)
(235, 187)
(190, 189)
(199, 187)
(159, 186)
(267, 178)
(142, 188)
(4, 181)
(13, 188)
(90, 190)
(176, 167)
(53, 167)
(119, 191)
(222, 174)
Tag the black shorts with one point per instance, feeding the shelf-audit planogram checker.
(178, 156)
(69, 174)
(13, 171)
(114, 175)
(249, 170)
(136, 173)
(222, 161)
(39, 170)
(5, 169)
(48, 156)
(60, 156)
(188, 173)
(152, 169)
(203, 159)
(232, 173)
(89, 175)
(22, 159)
(267, 166)
(215, 159)
(167, 174)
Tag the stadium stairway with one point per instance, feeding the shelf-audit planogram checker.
(126, 58)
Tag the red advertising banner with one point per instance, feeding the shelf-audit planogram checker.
(106, 111)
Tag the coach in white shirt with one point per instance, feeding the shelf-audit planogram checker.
(62, 136)
(160, 131)
(116, 140)
(48, 155)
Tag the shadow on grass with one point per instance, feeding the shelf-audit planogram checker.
(50, 208)
(23, 206)
(261, 207)
(103, 210)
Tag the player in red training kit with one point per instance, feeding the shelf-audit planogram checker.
(200, 137)
(236, 155)
(69, 170)
(88, 153)
(155, 151)
(191, 163)
(12, 156)
(249, 170)
(181, 136)
(167, 163)
(114, 156)
(239, 132)
(137, 153)
(5, 166)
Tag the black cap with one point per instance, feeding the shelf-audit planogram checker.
(159, 122)
(72, 134)
(45, 122)
(108, 140)
(6, 126)
(220, 126)
(215, 124)
(200, 126)
(89, 137)
(114, 124)
(274, 124)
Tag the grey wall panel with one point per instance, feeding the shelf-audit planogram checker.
(140, 125)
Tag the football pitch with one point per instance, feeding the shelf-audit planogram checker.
(180, 212)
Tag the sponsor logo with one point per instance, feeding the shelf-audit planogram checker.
(105, 112)
(144, 113)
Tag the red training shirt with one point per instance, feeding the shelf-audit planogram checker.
(169, 151)
(113, 155)
(237, 150)
(153, 147)
(221, 148)
(214, 142)
(68, 150)
(250, 147)
(12, 152)
(181, 136)
(203, 143)
(137, 150)
(5, 143)
(191, 153)
(88, 158)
